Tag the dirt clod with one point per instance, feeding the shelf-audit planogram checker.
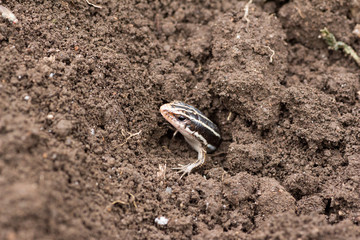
(63, 128)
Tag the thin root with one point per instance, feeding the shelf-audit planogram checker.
(300, 13)
(119, 202)
(229, 116)
(272, 53)
(246, 10)
(132, 199)
(115, 203)
(94, 5)
(222, 176)
(130, 136)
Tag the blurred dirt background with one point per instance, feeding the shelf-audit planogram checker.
(85, 153)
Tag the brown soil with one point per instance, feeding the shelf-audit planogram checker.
(82, 142)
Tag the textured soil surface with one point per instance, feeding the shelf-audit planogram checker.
(85, 153)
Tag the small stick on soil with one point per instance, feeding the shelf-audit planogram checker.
(131, 135)
(272, 54)
(6, 13)
(222, 176)
(162, 170)
(300, 13)
(132, 199)
(199, 69)
(246, 10)
(336, 45)
(115, 203)
(94, 5)
(229, 116)
(119, 202)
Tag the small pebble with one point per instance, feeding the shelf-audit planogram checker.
(168, 190)
(356, 30)
(68, 141)
(98, 150)
(166, 48)
(63, 128)
(161, 220)
(111, 160)
(92, 131)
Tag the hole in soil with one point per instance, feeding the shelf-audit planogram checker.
(195, 229)
(279, 4)
(3, 130)
(328, 207)
(345, 163)
(67, 61)
(248, 123)
(201, 194)
(303, 143)
(265, 133)
(296, 194)
(170, 133)
(283, 82)
(168, 137)
(292, 41)
(284, 111)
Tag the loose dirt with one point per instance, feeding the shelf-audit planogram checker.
(85, 153)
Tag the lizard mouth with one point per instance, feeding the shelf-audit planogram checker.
(165, 111)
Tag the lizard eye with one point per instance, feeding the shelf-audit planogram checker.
(181, 118)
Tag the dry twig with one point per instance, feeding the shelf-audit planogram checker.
(229, 116)
(272, 53)
(162, 170)
(94, 5)
(132, 199)
(119, 202)
(246, 10)
(300, 13)
(130, 136)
